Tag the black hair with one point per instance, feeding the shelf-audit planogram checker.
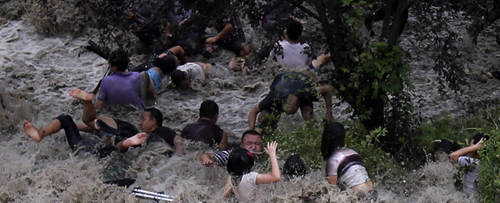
(237, 48)
(166, 64)
(446, 146)
(250, 132)
(119, 58)
(478, 137)
(333, 139)
(209, 109)
(177, 77)
(240, 162)
(294, 167)
(156, 114)
(294, 30)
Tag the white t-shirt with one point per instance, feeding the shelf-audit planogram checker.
(291, 55)
(195, 72)
(245, 191)
(470, 184)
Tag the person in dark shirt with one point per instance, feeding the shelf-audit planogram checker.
(288, 93)
(102, 143)
(151, 123)
(205, 130)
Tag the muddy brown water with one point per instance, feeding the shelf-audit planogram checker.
(38, 72)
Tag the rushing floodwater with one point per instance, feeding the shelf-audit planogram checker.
(37, 73)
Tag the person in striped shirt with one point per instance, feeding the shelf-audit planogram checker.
(250, 140)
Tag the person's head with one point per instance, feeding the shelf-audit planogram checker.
(152, 118)
(240, 48)
(209, 109)
(180, 78)
(446, 146)
(167, 64)
(333, 139)
(119, 59)
(290, 104)
(478, 137)
(252, 141)
(240, 162)
(294, 30)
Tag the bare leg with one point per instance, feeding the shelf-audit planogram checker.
(89, 111)
(38, 135)
(320, 60)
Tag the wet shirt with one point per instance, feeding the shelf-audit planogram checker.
(353, 176)
(121, 88)
(221, 157)
(162, 134)
(245, 191)
(203, 131)
(291, 55)
(471, 183)
(195, 72)
(298, 84)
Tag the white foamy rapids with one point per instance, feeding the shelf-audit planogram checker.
(37, 74)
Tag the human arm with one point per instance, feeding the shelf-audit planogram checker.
(207, 160)
(252, 116)
(461, 152)
(226, 30)
(228, 189)
(332, 179)
(326, 92)
(180, 53)
(275, 175)
(223, 141)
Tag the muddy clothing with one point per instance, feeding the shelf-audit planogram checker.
(93, 144)
(203, 131)
(194, 71)
(298, 84)
(346, 164)
(162, 134)
(245, 190)
(471, 181)
(121, 89)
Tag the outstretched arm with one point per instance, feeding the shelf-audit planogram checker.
(252, 116)
(207, 160)
(275, 175)
(226, 30)
(461, 152)
(326, 92)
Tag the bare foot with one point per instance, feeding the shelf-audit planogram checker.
(80, 94)
(192, 118)
(137, 139)
(31, 131)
